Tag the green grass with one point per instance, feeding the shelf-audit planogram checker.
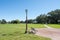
(16, 32)
(54, 25)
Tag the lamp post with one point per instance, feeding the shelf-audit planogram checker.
(26, 31)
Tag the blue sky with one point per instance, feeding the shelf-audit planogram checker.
(15, 9)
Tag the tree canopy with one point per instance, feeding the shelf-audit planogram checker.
(54, 16)
(50, 17)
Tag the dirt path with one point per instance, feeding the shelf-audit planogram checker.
(47, 26)
(49, 32)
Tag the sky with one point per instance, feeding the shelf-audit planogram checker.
(15, 9)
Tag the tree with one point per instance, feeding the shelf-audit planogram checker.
(15, 21)
(41, 18)
(29, 21)
(54, 16)
(34, 21)
(22, 22)
(3, 21)
(9, 22)
(0, 21)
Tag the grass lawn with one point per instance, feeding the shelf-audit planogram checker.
(54, 25)
(16, 32)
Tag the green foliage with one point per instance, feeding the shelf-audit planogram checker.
(29, 21)
(41, 19)
(3, 21)
(51, 17)
(54, 16)
(22, 22)
(0, 21)
(15, 21)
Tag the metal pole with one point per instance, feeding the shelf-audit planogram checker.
(26, 21)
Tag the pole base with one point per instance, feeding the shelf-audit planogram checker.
(26, 32)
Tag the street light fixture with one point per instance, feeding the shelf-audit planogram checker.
(26, 31)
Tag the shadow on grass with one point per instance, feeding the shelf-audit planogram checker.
(17, 33)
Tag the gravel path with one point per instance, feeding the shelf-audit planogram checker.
(49, 32)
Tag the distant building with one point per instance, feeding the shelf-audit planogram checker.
(34, 21)
(58, 21)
